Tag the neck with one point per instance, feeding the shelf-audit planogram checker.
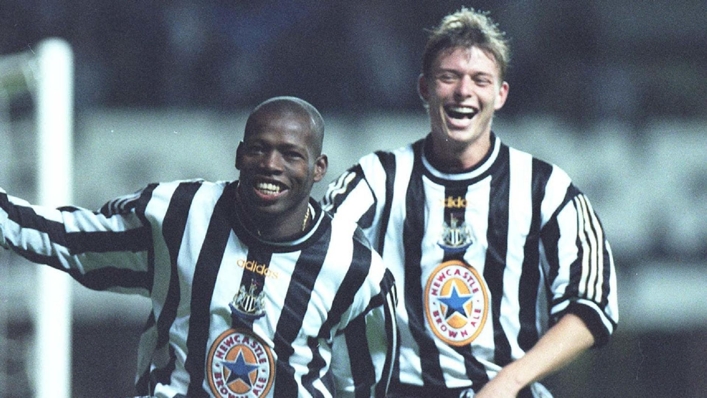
(277, 227)
(453, 157)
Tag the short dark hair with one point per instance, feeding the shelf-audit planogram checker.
(297, 106)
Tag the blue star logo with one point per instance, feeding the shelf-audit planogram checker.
(455, 302)
(240, 370)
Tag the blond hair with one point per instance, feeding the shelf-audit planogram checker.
(467, 28)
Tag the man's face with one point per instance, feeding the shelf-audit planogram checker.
(278, 165)
(463, 91)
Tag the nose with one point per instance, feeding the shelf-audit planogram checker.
(464, 88)
(271, 161)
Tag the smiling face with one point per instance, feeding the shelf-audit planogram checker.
(462, 92)
(279, 161)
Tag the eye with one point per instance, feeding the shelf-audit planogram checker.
(447, 77)
(254, 149)
(483, 80)
(293, 155)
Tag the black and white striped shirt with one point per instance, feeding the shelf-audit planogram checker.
(485, 259)
(232, 315)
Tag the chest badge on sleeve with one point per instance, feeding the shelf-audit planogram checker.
(456, 302)
(241, 365)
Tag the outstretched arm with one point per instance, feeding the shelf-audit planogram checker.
(98, 249)
(563, 342)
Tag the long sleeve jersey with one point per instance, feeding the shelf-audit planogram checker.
(232, 315)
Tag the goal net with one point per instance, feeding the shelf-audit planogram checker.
(36, 156)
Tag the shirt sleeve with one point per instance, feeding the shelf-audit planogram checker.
(351, 196)
(363, 354)
(580, 267)
(103, 250)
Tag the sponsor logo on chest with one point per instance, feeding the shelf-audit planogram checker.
(240, 365)
(456, 302)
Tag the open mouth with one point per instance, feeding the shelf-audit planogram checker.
(459, 112)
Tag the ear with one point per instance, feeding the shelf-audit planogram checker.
(239, 153)
(502, 95)
(423, 89)
(320, 167)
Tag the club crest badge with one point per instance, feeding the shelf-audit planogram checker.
(240, 365)
(456, 302)
(249, 304)
(455, 237)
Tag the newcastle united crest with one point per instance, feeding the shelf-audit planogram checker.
(456, 237)
(249, 304)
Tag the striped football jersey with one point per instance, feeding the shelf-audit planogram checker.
(232, 315)
(485, 259)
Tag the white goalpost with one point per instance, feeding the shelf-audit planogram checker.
(46, 72)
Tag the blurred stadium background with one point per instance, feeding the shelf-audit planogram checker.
(612, 91)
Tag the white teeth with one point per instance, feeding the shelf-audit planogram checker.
(460, 109)
(460, 112)
(268, 187)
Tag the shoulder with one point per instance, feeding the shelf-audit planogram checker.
(190, 187)
(552, 187)
(379, 167)
(161, 194)
(383, 157)
(538, 165)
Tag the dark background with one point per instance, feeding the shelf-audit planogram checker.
(581, 60)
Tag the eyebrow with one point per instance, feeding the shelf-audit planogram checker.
(279, 146)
